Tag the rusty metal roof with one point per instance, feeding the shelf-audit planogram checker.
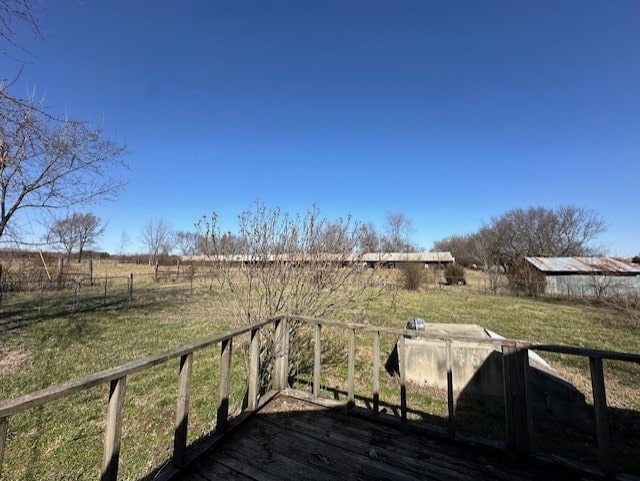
(586, 265)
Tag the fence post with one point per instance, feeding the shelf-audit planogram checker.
(254, 370)
(114, 430)
(601, 414)
(104, 302)
(91, 272)
(182, 410)
(225, 382)
(130, 287)
(41, 295)
(376, 372)
(403, 378)
(76, 294)
(515, 364)
(0, 300)
(450, 399)
(4, 427)
(60, 271)
(281, 347)
(351, 401)
(317, 361)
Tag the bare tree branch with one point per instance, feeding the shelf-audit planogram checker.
(49, 164)
(398, 229)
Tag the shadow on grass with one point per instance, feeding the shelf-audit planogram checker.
(563, 423)
(39, 309)
(384, 407)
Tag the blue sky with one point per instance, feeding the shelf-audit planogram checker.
(452, 112)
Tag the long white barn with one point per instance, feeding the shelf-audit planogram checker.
(368, 259)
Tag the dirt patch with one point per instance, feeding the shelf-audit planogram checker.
(10, 361)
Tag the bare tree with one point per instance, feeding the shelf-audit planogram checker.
(158, 237)
(460, 246)
(125, 242)
(289, 264)
(398, 229)
(286, 263)
(369, 238)
(76, 231)
(483, 252)
(47, 162)
(501, 244)
(538, 231)
(186, 242)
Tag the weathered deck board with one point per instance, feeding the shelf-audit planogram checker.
(406, 452)
(290, 439)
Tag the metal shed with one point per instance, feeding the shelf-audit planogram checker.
(587, 276)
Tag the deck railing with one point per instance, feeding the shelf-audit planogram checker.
(515, 364)
(116, 378)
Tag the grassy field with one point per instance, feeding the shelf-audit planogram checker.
(64, 439)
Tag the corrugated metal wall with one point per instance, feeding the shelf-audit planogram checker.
(592, 285)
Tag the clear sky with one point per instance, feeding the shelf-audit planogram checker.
(451, 111)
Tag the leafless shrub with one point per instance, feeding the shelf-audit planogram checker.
(279, 263)
(413, 275)
(524, 278)
(454, 274)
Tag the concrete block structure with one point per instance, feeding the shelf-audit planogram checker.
(477, 370)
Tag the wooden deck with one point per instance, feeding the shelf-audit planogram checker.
(294, 439)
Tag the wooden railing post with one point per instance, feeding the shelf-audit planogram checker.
(4, 427)
(281, 363)
(317, 361)
(254, 370)
(182, 410)
(113, 430)
(602, 418)
(450, 399)
(351, 401)
(225, 384)
(515, 364)
(403, 378)
(376, 372)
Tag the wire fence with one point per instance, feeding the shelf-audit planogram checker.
(81, 290)
(47, 300)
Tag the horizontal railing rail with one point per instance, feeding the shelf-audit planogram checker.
(515, 364)
(43, 396)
